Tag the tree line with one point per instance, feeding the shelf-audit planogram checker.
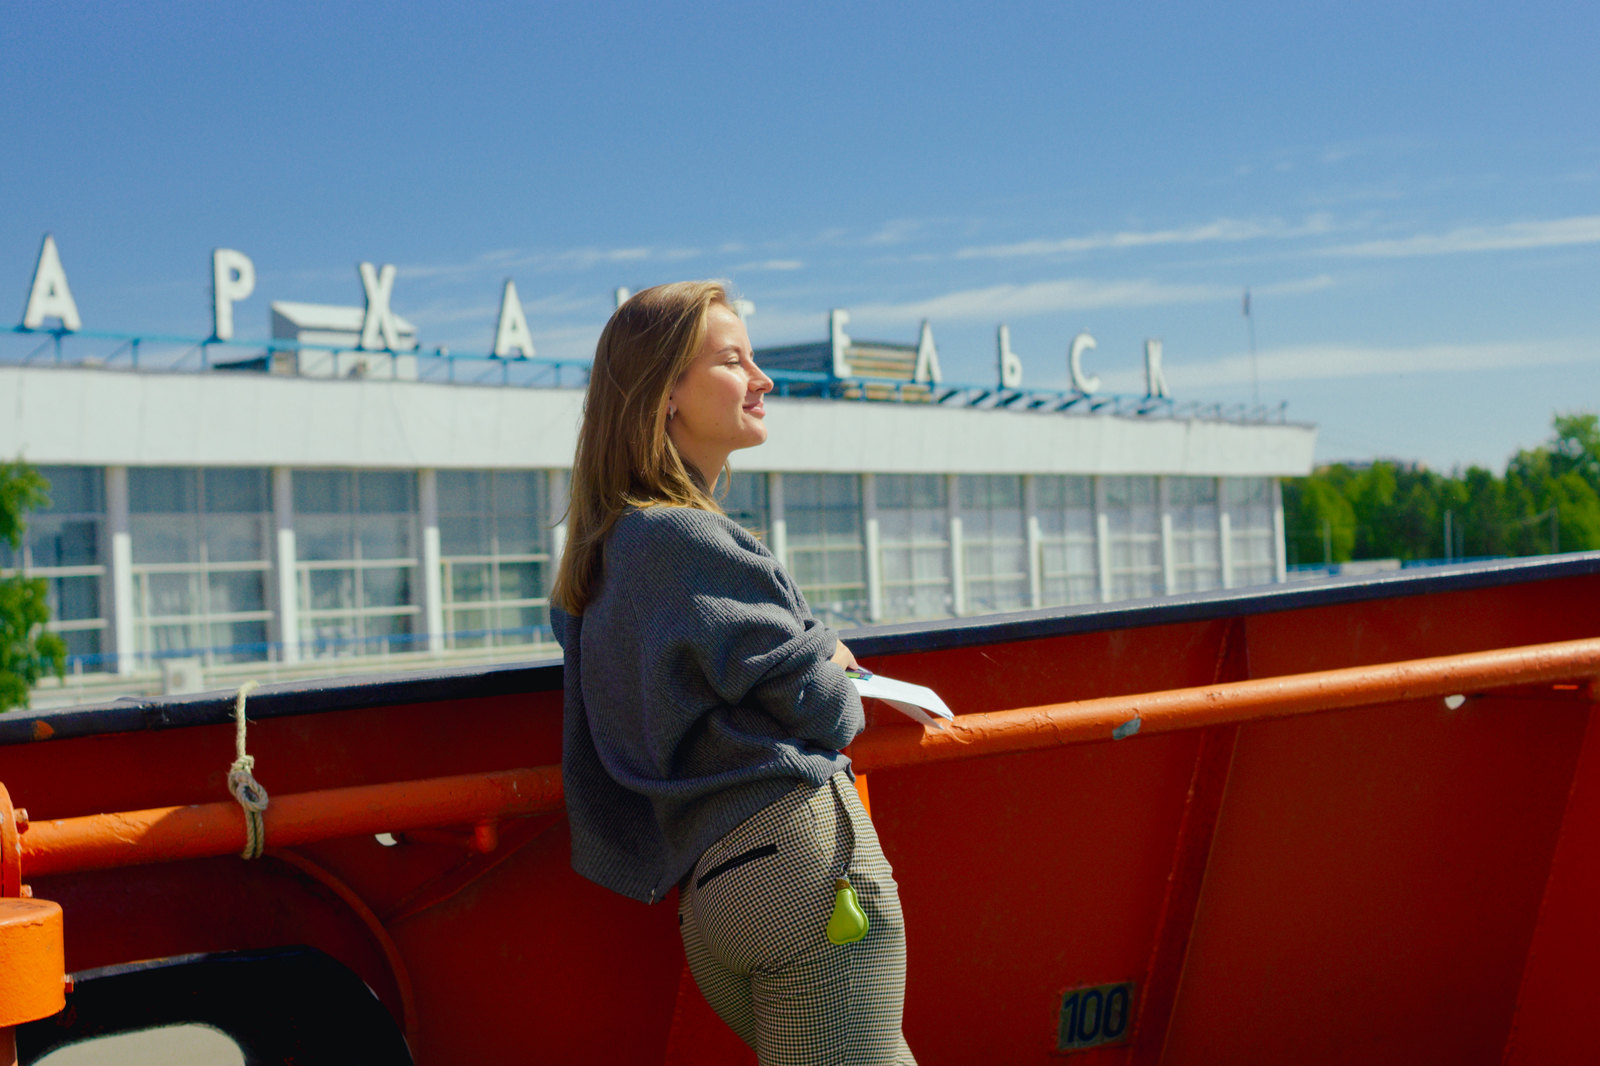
(27, 652)
(1547, 500)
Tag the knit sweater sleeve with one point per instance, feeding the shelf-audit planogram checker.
(717, 611)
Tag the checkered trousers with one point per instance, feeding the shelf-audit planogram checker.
(753, 917)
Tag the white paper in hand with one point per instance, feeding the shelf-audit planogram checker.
(918, 702)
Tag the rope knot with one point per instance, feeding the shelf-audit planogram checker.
(250, 793)
(243, 785)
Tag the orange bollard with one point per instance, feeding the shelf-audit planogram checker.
(32, 967)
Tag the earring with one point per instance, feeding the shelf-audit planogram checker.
(670, 412)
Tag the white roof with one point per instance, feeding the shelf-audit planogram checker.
(326, 317)
(238, 418)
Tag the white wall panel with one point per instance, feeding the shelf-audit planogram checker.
(99, 417)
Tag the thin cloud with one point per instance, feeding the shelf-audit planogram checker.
(1331, 361)
(1069, 294)
(443, 313)
(1551, 233)
(895, 232)
(772, 264)
(1223, 229)
(504, 259)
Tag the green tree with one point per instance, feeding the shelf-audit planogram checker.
(1576, 510)
(1549, 498)
(1576, 447)
(1319, 523)
(27, 652)
(1482, 517)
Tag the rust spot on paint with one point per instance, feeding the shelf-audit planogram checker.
(42, 730)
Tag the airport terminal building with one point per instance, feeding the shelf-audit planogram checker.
(314, 500)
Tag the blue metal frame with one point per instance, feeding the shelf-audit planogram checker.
(572, 373)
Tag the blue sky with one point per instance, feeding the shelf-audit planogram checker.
(1411, 192)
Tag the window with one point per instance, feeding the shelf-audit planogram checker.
(1069, 562)
(356, 565)
(746, 503)
(1251, 535)
(914, 545)
(65, 546)
(201, 562)
(494, 546)
(1135, 531)
(1196, 550)
(826, 556)
(994, 545)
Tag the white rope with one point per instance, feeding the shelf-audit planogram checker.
(243, 784)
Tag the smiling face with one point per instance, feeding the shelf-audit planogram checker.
(717, 404)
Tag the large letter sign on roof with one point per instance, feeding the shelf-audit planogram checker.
(1155, 379)
(838, 340)
(1081, 343)
(379, 320)
(511, 332)
(1010, 364)
(233, 277)
(49, 296)
(927, 357)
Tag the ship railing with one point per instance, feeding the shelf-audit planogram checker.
(479, 801)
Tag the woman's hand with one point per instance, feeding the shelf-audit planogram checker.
(842, 656)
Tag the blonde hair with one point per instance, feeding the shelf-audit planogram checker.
(625, 460)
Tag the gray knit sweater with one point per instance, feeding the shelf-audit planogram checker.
(699, 689)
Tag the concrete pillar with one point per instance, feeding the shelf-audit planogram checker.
(873, 545)
(1169, 563)
(555, 487)
(286, 619)
(1280, 558)
(119, 571)
(432, 565)
(779, 533)
(1102, 540)
(1224, 533)
(1030, 511)
(958, 550)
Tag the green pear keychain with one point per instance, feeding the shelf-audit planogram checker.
(848, 923)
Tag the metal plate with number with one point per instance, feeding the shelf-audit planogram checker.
(1095, 1015)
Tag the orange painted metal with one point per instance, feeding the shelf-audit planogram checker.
(1114, 717)
(163, 834)
(130, 838)
(1303, 855)
(11, 826)
(32, 961)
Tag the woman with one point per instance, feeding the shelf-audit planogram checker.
(705, 706)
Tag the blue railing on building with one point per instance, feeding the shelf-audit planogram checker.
(1365, 566)
(174, 354)
(319, 649)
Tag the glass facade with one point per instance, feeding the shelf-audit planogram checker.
(203, 575)
(994, 543)
(746, 502)
(494, 547)
(914, 545)
(1252, 536)
(201, 561)
(356, 560)
(67, 546)
(827, 554)
(1133, 523)
(1196, 535)
(1068, 565)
